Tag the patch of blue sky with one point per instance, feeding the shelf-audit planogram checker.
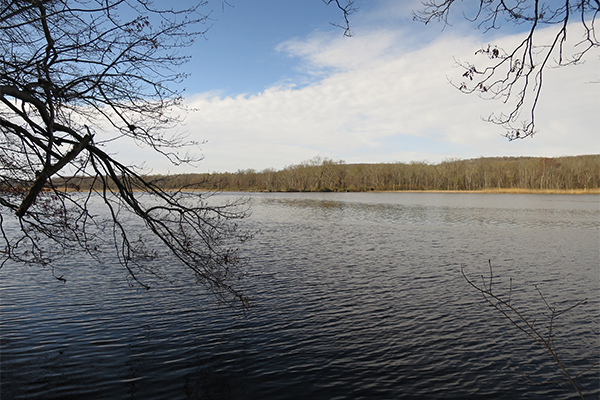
(238, 53)
(241, 53)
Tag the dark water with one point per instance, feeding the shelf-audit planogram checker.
(353, 296)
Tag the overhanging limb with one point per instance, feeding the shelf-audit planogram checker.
(48, 171)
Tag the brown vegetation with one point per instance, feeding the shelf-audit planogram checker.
(579, 174)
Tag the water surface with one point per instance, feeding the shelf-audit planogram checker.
(353, 296)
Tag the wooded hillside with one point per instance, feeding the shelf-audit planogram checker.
(579, 172)
(322, 174)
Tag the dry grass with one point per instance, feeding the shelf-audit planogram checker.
(544, 191)
(508, 190)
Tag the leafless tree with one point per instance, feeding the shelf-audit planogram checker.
(540, 332)
(516, 74)
(74, 75)
(347, 8)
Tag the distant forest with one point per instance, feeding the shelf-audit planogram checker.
(322, 174)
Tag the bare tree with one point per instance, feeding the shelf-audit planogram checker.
(74, 75)
(516, 74)
(540, 332)
(347, 8)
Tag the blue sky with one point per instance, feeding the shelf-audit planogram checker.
(274, 84)
(238, 54)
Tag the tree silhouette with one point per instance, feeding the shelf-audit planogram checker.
(74, 75)
(541, 333)
(516, 74)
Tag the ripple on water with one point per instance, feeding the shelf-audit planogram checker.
(351, 299)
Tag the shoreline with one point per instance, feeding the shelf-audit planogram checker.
(487, 191)
(595, 191)
(502, 191)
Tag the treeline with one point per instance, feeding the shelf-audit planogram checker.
(322, 174)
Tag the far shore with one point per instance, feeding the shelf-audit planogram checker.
(505, 190)
(494, 190)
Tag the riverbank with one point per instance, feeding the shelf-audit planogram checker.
(504, 190)
(490, 190)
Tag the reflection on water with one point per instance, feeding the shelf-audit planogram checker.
(469, 209)
(354, 296)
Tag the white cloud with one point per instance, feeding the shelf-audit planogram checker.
(375, 101)
(333, 51)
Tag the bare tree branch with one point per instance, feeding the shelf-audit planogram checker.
(69, 69)
(516, 75)
(347, 9)
(521, 322)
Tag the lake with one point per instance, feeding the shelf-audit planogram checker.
(353, 295)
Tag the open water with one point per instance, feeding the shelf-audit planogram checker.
(353, 296)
